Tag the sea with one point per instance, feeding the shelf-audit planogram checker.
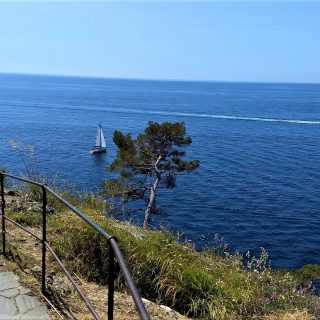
(258, 184)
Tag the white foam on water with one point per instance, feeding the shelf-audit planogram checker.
(180, 114)
(214, 116)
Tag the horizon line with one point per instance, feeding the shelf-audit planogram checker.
(154, 79)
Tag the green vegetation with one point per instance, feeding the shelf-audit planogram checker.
(26, 219)
(149, 162)
(307, 273)
(199, 284)
(212, 284)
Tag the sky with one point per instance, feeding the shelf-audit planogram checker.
(264, 41)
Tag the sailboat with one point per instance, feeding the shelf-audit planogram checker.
(100, 145)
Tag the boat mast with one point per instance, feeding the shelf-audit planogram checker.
(100, 134)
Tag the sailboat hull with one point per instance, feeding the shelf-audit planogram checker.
(98, 150)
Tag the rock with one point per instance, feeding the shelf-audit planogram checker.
(316, 287)
(15, 303)
(50, 210)
(60, 284)
(17, 201)
(26, 303)
(11, 193)
(10, 293)
(36, 271)
(24, 290)
(166, 308)
(8, 281)
(38, 313)
(8, 308)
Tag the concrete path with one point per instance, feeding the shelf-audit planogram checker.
(16, 303)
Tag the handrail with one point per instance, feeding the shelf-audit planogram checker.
(114, 250)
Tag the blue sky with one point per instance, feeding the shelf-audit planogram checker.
(213, 40)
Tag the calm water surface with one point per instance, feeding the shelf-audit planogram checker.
(259, 147)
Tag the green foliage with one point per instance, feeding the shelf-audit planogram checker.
(164, 140)
(67, 190)
(203, 285)
(307, 273)
(151, 161)
(33, 193)
(198, 284)
(89, 201)
(25, 218)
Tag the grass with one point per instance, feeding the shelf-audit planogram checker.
(297, 315)
(26, 219)
(307, 273)
(198, 284)
(201, 285)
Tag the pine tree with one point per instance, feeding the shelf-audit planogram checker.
(151, 161)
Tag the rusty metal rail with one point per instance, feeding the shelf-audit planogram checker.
(111, 242)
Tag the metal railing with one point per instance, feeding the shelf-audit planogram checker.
(114, 250)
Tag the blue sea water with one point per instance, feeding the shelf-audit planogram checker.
(259, 146)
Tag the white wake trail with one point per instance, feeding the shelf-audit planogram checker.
(180, 114)
(216, 116)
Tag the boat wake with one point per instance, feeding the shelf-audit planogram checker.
(228, 117)
(168, 113)
(213, 116)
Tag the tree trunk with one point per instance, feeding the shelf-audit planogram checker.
(150, 204)
(153, 194)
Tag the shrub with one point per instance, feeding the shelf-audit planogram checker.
(307, 273)
(166, 270)
(199, 284)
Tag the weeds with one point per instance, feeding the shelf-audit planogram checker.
(211, 284)
(26, 219)
(198, 284)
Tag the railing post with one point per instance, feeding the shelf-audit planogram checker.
(44, 239)
(3, 220)
(111, 280)
(114, 250)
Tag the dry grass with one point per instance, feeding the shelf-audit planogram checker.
(298, 315)
(64, 302)
(200, 284)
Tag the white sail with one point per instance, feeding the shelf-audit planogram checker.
(98, 138)
(100, 144)
(103, 140)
